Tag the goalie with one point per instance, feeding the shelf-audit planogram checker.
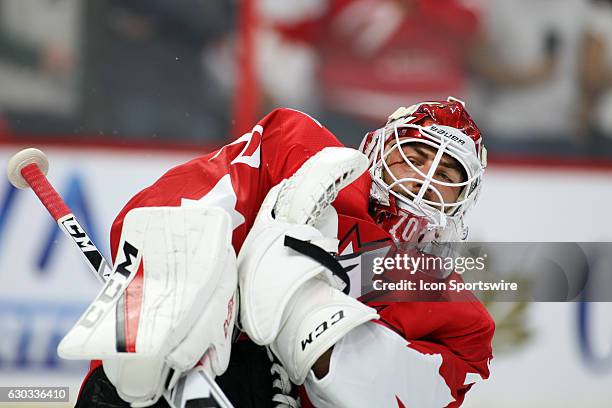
(273, 197)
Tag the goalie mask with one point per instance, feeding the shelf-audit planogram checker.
(413, 204)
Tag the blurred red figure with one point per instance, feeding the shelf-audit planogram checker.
(376, 55)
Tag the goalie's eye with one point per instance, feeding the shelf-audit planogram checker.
(440, 175)
(417, 161)
(454, 176)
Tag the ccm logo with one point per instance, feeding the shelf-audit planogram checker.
(322, 328)
(78, 234)
(113, 288)
(443, 132)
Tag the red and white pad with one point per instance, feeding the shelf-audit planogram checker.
(182, 303)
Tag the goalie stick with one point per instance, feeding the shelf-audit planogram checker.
(27, 169)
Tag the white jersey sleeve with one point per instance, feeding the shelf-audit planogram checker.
(372, 366)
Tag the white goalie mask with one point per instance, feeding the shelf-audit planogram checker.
(410, 205)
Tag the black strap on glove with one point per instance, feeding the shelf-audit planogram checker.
(322, 256)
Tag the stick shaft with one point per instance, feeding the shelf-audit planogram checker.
(66, 220)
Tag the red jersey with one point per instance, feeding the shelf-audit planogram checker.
(238, 176)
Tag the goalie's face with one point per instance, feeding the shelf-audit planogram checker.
(448, 171)
(426, 166)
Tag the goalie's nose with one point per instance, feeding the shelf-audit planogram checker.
(414, 187)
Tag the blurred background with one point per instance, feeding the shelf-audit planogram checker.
(117, 92)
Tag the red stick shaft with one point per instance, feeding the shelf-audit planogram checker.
(45, 191)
